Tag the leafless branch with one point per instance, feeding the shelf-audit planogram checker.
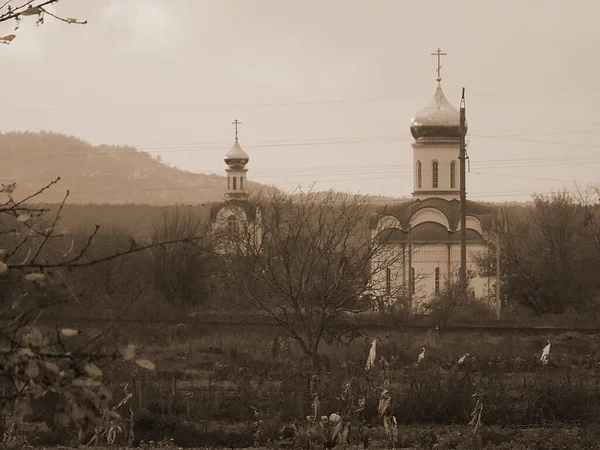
(49, 232)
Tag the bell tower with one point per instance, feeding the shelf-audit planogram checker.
(436, 130)
(236, 160)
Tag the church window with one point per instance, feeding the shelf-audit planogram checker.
(437, 280)
(234, 183)
(419, 175)
(388, 281)
(231, 223)
(434, 174)
(241, 183)
(453, 175)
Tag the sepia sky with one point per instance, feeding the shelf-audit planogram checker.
(325, 89)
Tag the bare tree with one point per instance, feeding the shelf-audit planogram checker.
(181, 268)
(549, 253)
(37, 361)
(18, 9)
(451, 301)
(304, 261)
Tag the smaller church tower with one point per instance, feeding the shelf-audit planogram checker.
(236, 160)
(238, 215)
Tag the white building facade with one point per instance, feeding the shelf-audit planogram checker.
(425, 232)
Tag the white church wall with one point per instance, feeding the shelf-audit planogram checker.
(426, 258)
(480, 285)
(225, 213)
(388, 271)
(233, 219)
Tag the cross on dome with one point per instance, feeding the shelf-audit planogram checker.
(236, 123)
(439, 55)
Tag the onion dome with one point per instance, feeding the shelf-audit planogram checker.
(438, 120)
(236, 157)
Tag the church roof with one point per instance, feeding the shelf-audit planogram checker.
(450, 208)
(438, 119)
(428, 232)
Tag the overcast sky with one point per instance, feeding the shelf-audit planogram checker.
(325, 89)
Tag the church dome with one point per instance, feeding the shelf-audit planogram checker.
(439, 119)
(236, 157)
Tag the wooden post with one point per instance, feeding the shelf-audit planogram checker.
(462, 156)
(498, 302)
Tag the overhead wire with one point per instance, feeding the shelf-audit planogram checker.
(382, 169)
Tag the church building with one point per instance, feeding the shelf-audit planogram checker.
(236, 213)
(425, 231)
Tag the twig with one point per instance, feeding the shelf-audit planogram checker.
(49, 232)
(48, 186)
(74, 263)
(68, 20)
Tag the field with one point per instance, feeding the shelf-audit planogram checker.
(244, 386)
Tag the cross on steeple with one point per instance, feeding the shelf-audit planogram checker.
(236, 123)
(439, 55)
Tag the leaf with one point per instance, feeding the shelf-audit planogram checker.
(32, 370)
(145, 364)
(35, 276)
(8, 38)
(79, 382)
(3, 267)
(93, 370)
(26, 351)
(23, 218)
(92, 382)
(69, 332)
(32, 11)
(71, 20)
(52, 367)
(128, 352)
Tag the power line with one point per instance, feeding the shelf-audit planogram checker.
(175, 107)
(276, 172)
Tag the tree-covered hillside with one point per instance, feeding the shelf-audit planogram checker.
(99, 174)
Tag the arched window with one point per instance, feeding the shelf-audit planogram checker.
(232, 223)
(419, 175)
(241, 183)
(388, 281)
(453, 175)
(434, 174)
(234, 183)
(437, 280)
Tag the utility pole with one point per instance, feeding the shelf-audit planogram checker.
(462, 156)
(411, 286)
(498, 304)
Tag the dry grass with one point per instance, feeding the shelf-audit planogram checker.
(210, 383)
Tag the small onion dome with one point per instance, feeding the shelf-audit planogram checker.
(439, 119)
(236, 157)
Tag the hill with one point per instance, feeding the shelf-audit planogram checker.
(100, 174)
